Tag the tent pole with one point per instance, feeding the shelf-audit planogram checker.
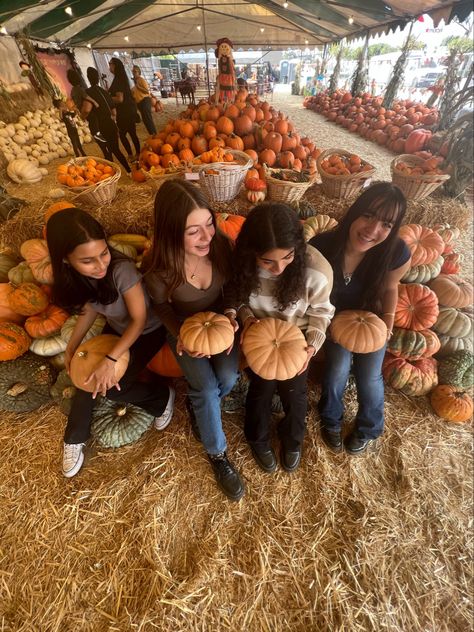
(207, 52)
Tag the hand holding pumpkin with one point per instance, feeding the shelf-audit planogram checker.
(105, 378)
(251, 320)
(311, 351)
(180, 348)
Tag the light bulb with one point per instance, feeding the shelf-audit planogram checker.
(68, 10)
(126, 38)
(285, 5)
(351, 19)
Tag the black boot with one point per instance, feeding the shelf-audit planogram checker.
(227, 477)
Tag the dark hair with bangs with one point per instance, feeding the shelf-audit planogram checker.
(387, 202)
(66, 230)
(175, 200)
(268, 226)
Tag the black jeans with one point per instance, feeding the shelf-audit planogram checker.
(145, 110)
(75, 141)
(111, 147)
(128, 126)
(293, 395)
(151, 397)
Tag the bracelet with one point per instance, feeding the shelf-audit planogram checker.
(110, 358)
(388, 314)
(230, 311)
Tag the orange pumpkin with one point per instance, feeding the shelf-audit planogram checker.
(417, 307)
(452, 291)
(6, 312)
(229, 224)
(452, 403)
(425, 244)
(46, 323)
(359, 331)
(27, 299)
(57, 206)
(207, 332)
(14, 341)
(164, 363)
(36, 254)
(89, 355)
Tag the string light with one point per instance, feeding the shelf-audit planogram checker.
(3, 31)
(262, 29)
(126, 38)
(351, 19)
(198, 27)
(68, 10)
(285, 5)
(306, 42)
(88, 46)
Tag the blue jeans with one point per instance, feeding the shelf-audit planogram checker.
(367, 370)
(209, 379)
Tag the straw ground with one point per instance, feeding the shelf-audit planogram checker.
(142, 540)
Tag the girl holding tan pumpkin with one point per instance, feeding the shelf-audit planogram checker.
(278, 275)
(91, 279)
(190, 263)
(368, 259)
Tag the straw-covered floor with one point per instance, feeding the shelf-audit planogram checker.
(142, 540)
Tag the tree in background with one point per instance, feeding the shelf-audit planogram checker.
(453, 99)
(360, 78)
(338, 50)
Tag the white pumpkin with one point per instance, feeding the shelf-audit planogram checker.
(56, 194)
(23, 171)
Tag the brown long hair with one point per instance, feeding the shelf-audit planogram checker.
(175, 200)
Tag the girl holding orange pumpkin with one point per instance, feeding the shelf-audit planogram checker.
(190, 263)
(92, 279)
(278, 275)
(368, 259)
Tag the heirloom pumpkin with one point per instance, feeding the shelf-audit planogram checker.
(46, 323)
(424, 272)
(318, 224)
(36, 254)
(115, 424)
(413, 378)
(425, 245)
(95, 329)
(274, 349)
(453, 322)
(6, 312)
(207, 333)
(48, 346)
(457, 369)
(452, 291)
(25, 383)
(89, 355)
(27, 299)
(358, 331)
(417, 307)
(21, 274)
(14, 341)
(7, 262)
(452, 403)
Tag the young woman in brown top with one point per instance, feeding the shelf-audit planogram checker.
(190, 263)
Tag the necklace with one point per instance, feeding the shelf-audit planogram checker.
(347, 277)
(194, 275)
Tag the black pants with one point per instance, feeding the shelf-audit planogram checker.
(76, 143)
(127, 125)
(293, 395)
(145, 110)
(111, 146)
(151, 397)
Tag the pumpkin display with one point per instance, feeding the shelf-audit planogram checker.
(207, 332)
(95, 329)
(14, 341)
(27, 299)
(48, 346)
(115, 424)
(256, 190)
(407, 344)
(425, 244)
(36, 254)
(452, 291)
(453, 322)
(89, 355)
(358, 331)
(417, 307)
(424, 272)
(25, 383)
(164, 363)
(457, 369)
(62, 392)
(46, 323)
(318, 224)
(7, 262)
(413, 378)
(451, 403)
(274, 349)
(229, 224)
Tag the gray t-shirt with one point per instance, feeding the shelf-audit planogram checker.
(126, 276)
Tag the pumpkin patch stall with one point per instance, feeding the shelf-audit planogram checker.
(132, 553)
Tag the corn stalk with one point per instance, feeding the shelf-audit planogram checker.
(360, 78)
(334, 80)
(37, 68)
(460, 155)
(398, 72)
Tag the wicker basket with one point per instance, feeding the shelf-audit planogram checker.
(418, 186)
(101, 193)
(284, 191)
(224, 185)
(338, 186)
(156, 180)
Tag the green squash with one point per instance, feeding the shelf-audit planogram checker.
(21, 274)
(407, 344)
(457, 369)
(7, 262)
(115, 424)
(25, 383)
(95, 330)
(62, 391)
(423, 273)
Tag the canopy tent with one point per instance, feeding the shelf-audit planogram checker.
(170, 25)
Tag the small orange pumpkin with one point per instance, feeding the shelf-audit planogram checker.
(452, 403)
(14, 341)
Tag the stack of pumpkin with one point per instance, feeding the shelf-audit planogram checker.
(431, 317)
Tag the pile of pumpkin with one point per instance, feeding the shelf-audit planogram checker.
(249, 125)
(344, 165)
(404, 129)
(90, 172)
(433, 319)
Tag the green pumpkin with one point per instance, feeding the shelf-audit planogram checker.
(62, 391)
(407, 344)
(457, 369)
(21, 274)
(25, 383)
(115, 424)
(304, 209)
(7, 262)
(95, 330)
(451, 344)
(423, 273)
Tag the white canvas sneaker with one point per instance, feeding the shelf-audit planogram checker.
(164, 419)
(73, 458)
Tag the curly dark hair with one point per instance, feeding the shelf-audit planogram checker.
(268, 226)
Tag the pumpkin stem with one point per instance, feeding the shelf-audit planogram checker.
(17, 389)
(68, 392)
(120, 412)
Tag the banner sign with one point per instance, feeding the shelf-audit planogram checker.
(57, 65)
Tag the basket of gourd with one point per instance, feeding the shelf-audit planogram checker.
(417, 177)
(92, 180)
(343, 174)
(288, 185)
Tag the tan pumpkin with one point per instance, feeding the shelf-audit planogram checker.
(359, 331)
(453, 322)
(452, 403)
(27, 299)
(425, 244)
(274, 349)
(36, 254)
(48, 346)
(452, 291)
(318, 224)
(89, 355)
(417, 307)
(207, 332)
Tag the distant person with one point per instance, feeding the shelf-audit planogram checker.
(68, 117)
(127, 114)
(141, 94)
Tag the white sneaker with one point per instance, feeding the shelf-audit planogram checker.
(164, 419)
(73, 458)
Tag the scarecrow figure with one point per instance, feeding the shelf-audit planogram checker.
(226, 84)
